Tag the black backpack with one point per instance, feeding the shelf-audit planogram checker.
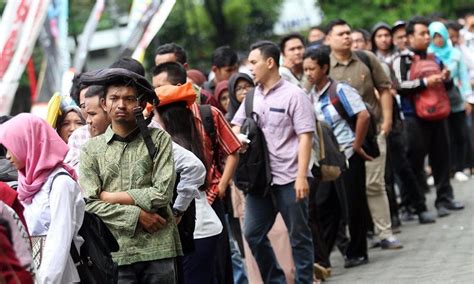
(95, 263)
(253, 174)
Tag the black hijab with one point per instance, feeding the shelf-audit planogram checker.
(234, 104)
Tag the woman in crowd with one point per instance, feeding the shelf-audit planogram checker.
(222, 95)
(47, 188)
(239, 85)
(452, 58)
(176, 118)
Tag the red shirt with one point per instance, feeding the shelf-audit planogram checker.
(227, 143)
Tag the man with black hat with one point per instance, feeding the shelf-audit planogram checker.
(399, 35)
(128, 176)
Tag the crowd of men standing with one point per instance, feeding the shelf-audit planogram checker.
(156, 161)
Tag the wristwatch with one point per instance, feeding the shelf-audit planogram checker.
(177, 213)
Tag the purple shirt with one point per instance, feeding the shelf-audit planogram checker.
(284, 113)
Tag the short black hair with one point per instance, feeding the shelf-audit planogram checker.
(320, 55)
(129, 64)
(224, 56)
(267, 49)
(454, 26)
(172, 47)
(364, 32)
(335, 22)
(319, 28)
(416, 20)
(95, 90)
(176, 72)
(76, 88)
(288, 37)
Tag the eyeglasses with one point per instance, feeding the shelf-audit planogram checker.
(241, 88)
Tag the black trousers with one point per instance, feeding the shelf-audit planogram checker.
(430, 138)
(357, 208)
(411, 192)
(223, 261)
(459, 140)
(327, 204)
(390, 184)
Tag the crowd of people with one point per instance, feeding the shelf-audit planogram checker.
(164, 163)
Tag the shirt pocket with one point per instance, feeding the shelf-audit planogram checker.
(278, 120)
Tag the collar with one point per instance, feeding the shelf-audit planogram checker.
(319, 93)
(111, 136)
(274, 87)
(335, 62)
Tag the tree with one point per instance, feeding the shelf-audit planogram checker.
(365, 13)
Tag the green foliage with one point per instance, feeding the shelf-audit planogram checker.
(365, 13)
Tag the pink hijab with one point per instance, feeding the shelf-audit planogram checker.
(39, 147)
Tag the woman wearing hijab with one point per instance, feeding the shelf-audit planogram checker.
(451, 56)
(53, 204)
(239, 85)
(222, 95)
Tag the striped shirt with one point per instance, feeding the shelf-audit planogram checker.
(351, 101)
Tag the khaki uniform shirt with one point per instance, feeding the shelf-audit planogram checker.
(357, 74)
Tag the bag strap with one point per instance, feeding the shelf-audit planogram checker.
(322, 147)
(73, 250)
(249, 103)
(143, 126)
(209, 127)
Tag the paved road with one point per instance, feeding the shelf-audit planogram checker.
(437, 253)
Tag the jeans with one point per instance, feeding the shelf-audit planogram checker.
(260, 213)
(238, 265)
(156, 271)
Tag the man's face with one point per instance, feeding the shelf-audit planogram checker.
(293, 52)
(470, 23)
(163, 58)
(259, 66)
(315, 35)
(400, 39)
(313, 71)
(119, 104)
(223, 73)
(82, 96)
(358, 41)
(420, 39)
(383, 39)
(160, 80)
(97, 118)
(454, 36)
(340, 38)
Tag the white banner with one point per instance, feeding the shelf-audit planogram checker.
(19, 29)
(155, 25)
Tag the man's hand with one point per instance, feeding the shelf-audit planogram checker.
(222, 189)
(386, 127)
(468, 108)
(301, 188)
(445, 74)
(151, 222)
(434, 79)
(177, 219)
(362, 153)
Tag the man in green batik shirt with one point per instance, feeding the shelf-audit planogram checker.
(126, 188)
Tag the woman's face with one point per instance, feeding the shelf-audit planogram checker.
(224, 100)
(70, 123)
(19, 165)
(241, 89)
(438, 40)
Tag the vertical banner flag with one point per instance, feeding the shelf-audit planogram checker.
(21, 23)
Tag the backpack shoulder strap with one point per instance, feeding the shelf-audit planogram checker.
(249, 103)
(364, 58)
(143, 126)
(209, 127)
